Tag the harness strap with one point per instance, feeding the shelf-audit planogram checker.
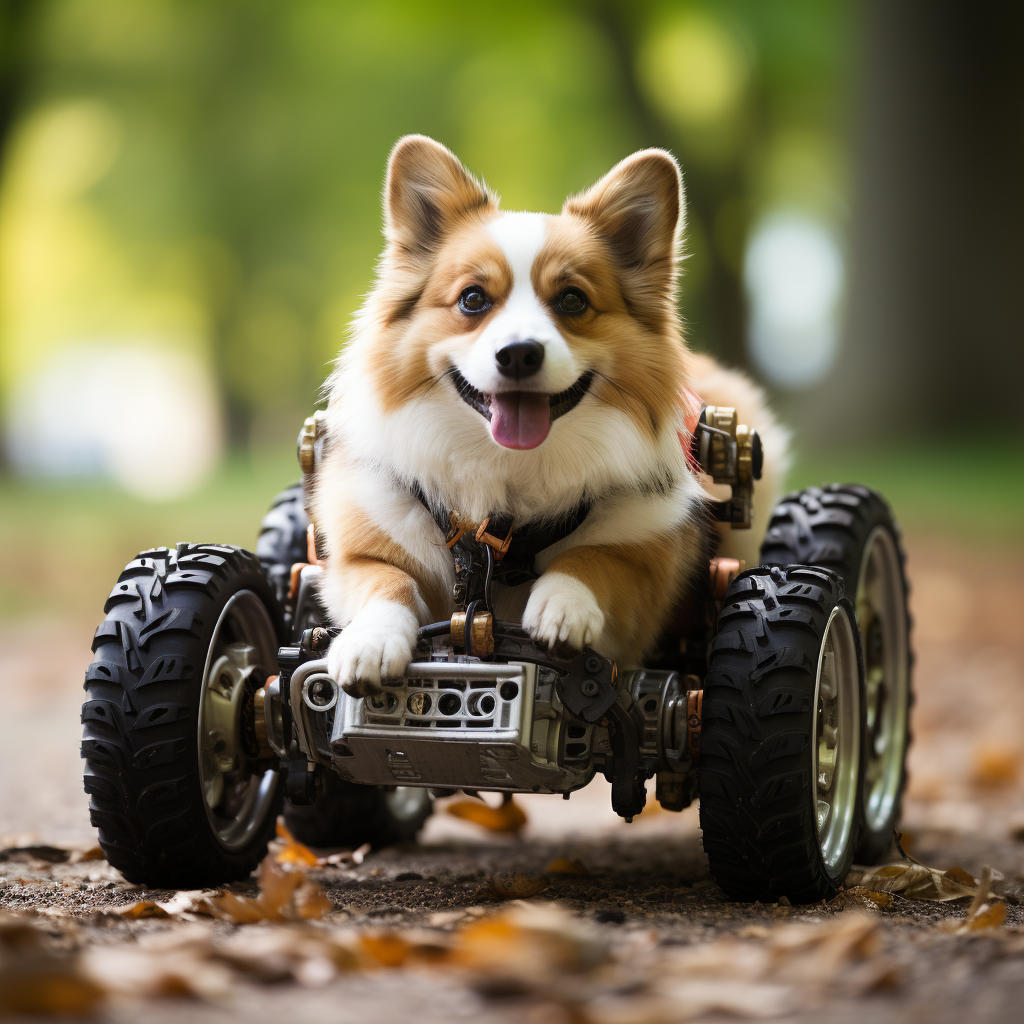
(515, 547)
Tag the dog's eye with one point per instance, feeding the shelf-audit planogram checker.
(571, 302)
(474, 300)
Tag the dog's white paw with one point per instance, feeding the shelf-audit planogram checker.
(563, 613)
(377, 644)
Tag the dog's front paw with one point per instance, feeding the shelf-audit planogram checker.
(563, 613)
(377, 644)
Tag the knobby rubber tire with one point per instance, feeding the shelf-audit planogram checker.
(140, 721)
(347, 814)
(757, 794)
(282, 538)
(830, 526)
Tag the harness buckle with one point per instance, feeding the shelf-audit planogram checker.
(458, 527)
(498, 546)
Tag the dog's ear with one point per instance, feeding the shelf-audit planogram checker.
(427, 190)
(637, 208)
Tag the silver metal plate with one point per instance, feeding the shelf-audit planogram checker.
(459, 724)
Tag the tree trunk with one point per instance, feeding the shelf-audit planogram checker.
(935, 323)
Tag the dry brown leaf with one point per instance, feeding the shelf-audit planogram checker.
(988, 915)
(518, 887)
(822, 951)
(345, 857)
(311, 902)
(284, 896)
(92, 853)
(37, 980)
(957, 874)
(294, 852)
(191, 901)
(509, 817)
(533, 943)
(564, 866)
(982, 913)
(386, 949)
(916, 881)
(141, 972)
(995, 765)
(311, 956)
(858, 896)
(139, 910)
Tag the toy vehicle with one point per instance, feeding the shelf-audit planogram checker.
(780, 696)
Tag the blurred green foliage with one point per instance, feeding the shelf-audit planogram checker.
(209, 172)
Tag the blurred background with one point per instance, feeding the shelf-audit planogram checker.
(189, 214)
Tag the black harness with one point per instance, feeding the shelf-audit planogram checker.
(521, 544)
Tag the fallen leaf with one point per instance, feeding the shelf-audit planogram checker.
(191, 901)
(38, 980)
(444, 918)
(345, 857)
(982, 914)
(311, 956)
(995, 765)
(518, 887)
(284, 896)
(533, 943)
(386, 949)
(858, 896)
(294, 852)
(140, 909)
(140, 972)
(564, 866)
(959, 875)
(311, 902)
(92, 853)
(509, 817)
(916, 881)
(988, 915)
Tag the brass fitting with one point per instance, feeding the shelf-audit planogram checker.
(694, 708)
(312, 430)
(259, 701)
(481, 641)
(730, 453)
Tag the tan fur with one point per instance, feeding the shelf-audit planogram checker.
(641, 364)
(637, 586)
(372, 566)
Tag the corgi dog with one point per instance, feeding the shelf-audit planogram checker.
(521, 365)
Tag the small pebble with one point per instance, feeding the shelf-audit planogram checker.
(408, 876)
(610, 915)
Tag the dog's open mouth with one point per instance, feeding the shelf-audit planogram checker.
(521, 419)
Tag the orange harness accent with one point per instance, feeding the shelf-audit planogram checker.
(691, 404)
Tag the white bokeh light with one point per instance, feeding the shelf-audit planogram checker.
(146, 416)
(793, 272)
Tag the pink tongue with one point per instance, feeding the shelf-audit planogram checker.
(520, 419)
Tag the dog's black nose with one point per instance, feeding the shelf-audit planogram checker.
(520, 359)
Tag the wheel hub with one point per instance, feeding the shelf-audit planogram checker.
(835, 746)
(882, 621)
(222, 753)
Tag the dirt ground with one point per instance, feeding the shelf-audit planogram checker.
(643, 937)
